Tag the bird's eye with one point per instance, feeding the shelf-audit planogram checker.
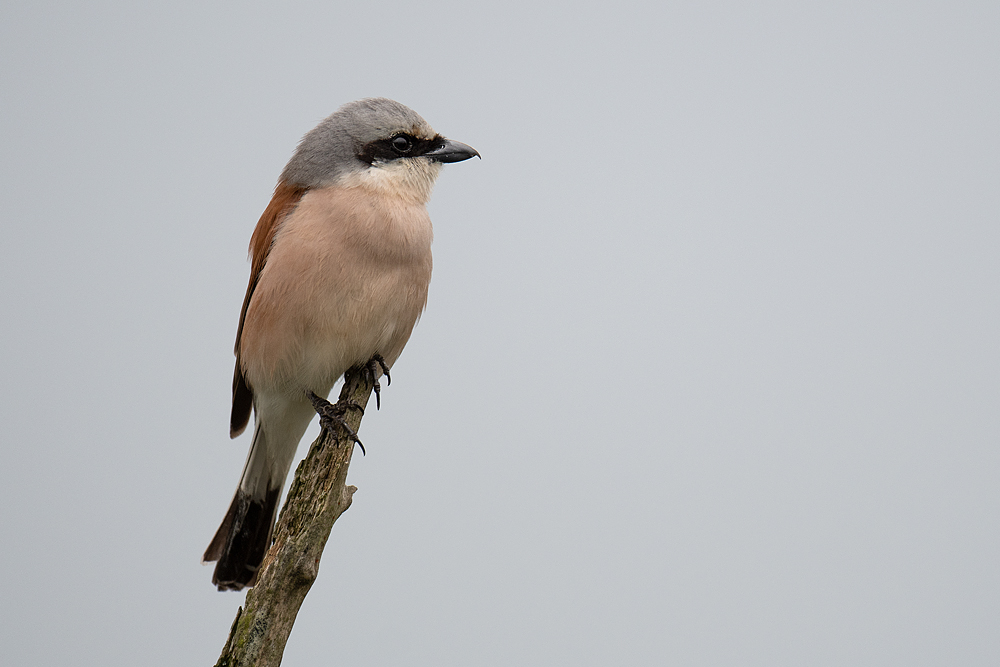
(402, 143)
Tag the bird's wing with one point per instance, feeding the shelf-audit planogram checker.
(286, 197)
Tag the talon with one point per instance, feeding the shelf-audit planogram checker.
(330, 415)
(385, 369)
(374, 365)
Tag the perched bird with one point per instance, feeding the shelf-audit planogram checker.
(340, 264)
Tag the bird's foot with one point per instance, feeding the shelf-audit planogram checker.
(371, 370)
(331, 415)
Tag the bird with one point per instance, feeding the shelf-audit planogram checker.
(340, 267)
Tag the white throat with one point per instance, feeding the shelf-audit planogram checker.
(411, 179)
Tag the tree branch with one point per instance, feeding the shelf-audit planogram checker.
(316, 499)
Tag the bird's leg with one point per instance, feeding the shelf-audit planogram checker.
(375, 365)
(331, 415)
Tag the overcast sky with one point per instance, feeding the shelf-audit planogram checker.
(708, 375)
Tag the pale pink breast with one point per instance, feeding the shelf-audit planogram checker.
(347, 277)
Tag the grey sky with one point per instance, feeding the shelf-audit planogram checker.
(709, 373)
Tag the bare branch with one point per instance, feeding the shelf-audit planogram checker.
(316, 499)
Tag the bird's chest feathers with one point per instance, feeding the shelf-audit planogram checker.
(357, 228)
(346, 277)
(348, 259)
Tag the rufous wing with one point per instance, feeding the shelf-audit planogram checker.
(286, 197)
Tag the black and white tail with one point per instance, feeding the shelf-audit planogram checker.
(244, 537)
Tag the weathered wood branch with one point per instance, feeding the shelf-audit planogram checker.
(318, 496)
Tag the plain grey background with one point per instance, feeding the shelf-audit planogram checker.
(709, 373)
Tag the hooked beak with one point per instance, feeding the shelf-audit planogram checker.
(452, 151)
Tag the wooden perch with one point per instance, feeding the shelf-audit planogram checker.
(316, 499)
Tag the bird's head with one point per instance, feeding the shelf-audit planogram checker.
(374, 143)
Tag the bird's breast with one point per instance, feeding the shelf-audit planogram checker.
(346, 277)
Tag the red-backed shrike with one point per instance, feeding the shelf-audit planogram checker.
(340, 264)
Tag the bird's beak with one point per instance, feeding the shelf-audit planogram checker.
(452, 151)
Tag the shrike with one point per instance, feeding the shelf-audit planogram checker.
(340, 264)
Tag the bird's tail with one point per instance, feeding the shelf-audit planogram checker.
(244, 537)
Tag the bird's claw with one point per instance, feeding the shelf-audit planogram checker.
(332, 415)
(374, 366)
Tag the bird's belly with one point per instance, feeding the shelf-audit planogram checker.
(311, 339)
(375, 319)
